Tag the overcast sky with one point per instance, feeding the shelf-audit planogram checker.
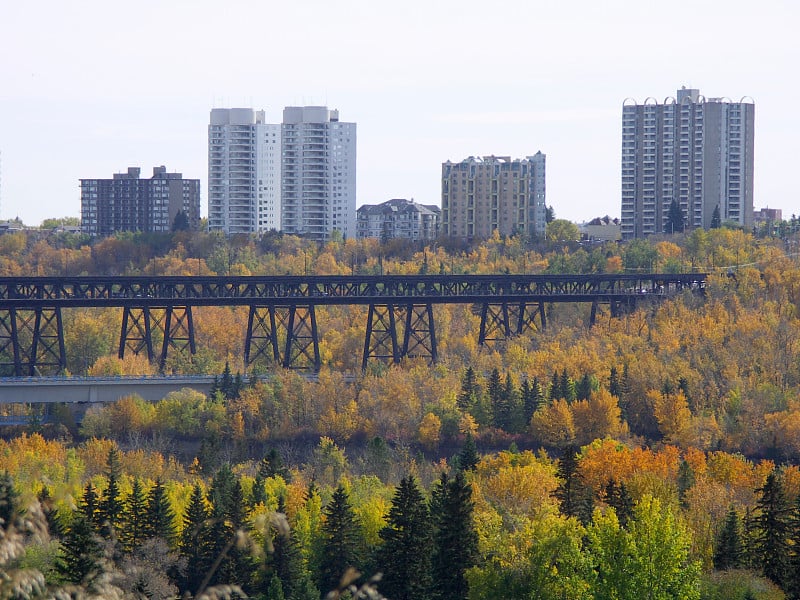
(88, 88)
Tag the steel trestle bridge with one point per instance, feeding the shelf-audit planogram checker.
(282, 326)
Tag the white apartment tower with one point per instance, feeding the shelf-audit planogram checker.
(694, 150)
(318, 179)
(244, 171)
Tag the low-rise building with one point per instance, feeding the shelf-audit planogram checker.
(398, 218)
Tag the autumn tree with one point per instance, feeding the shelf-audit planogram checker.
(650, 560)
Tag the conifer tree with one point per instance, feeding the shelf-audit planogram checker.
(716, 219)
(614, 385)
(111, 507)
(193, 541)
(685, 481)
(772, 530)
(160, 515)
(468, 457)
(749, 534)
(79, 559)
(55, 523)
(233, 565)
(226, 382)
(528, 406)
(584, 387)
(618, 498)
(275, 589)
(793, 577)
(470, 390)
(455, 541)
(404, 559)
(283, 558)
(88, 507)
(573, 495)
(495, 392)
(728, 547)
(133, 530)
(675, 218)
(555, 387)
(342, 541)
(9, 500)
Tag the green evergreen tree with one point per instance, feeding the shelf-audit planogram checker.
(470, 390)
(749, 534)
(468, 458)
(528, 407)
(133, 528)
(683, 385)
(495, 392)
(685, 481)
(284, 560)
(404, 559)
(455, 541)
(716, 219)
(618, 498)
(342, 542)
(772, 530)
(574, 496)
(9, 500)
(728, 548)
(194, 541)
(614, 385)
(555, 387)
(793, 575)
(226, 382)
(111, 507)
(55, 523)
(233, 564)
(275, 589)
(564, 386)
(88, 507)
(675, 218)
(584, 387)
(80, 553)
(180, 222)
(160, 515)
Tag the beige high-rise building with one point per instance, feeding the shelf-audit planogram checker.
(480, 195)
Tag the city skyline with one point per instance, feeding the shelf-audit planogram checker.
(84, 95)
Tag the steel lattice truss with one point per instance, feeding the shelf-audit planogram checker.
(282, 326)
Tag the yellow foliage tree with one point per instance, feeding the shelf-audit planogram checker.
(553, 425)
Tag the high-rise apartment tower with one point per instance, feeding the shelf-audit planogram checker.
(480, 195)
(696, 151)
(244, 170)
(318, 187)
(298, 176)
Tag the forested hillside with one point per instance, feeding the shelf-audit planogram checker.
(653, 454)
